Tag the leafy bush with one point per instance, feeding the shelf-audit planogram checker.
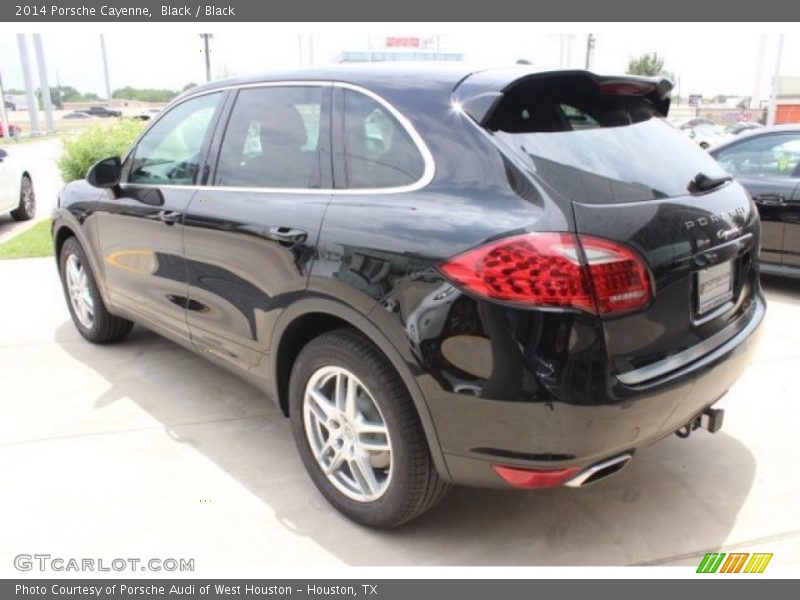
(94, 143)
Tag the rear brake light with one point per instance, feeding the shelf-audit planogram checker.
(531, 478)
(625, 88)
(547, 270)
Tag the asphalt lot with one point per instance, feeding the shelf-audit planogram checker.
(145, 449)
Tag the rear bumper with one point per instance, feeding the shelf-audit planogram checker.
(476, 433)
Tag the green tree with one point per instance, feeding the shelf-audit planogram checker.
(144, 94)
(649, 64)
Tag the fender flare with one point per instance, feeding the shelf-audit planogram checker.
(65, 220)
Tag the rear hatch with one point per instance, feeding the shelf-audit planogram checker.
(603, 145)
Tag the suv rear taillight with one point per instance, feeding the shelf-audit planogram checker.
(548, 270)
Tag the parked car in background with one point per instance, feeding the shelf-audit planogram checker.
(148, 114)
(102, 111)
(689, 122)
(742, 126)
(16, 102)
(77, 114)
(16, 188)
(767, 162)
(508, 278)
(706, 136)
(13, 130)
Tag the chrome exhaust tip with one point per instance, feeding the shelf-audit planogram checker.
(599, 471)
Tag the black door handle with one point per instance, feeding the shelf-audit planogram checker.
(169, 217)
(286, 235)
(769, 199)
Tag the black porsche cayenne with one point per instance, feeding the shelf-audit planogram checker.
(497, 278)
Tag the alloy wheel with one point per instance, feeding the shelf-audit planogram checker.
(28, 196)
(347, 434)
(80, 295)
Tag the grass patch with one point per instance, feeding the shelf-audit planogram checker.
(34, 242)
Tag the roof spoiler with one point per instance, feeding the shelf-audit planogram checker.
(479, 94)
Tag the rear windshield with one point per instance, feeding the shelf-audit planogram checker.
(599, 148)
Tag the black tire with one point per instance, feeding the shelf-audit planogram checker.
(26, 209)
(415, 485)
(105, 327)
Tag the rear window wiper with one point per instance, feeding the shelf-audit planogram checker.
(703, 183)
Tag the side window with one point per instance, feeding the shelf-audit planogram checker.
(169, 153)
(272, 139)
(378, 151)
(767, 156)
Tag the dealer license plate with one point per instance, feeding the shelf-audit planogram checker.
(714, 286)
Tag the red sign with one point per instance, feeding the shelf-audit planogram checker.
(402, 42)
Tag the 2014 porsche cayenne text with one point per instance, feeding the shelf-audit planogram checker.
(441, 277)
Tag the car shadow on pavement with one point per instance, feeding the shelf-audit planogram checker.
(786, 287)
(677, 498)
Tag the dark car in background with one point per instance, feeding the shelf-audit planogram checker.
(77, 114)
(767, 163)
(689, 122)
(102, 111)
(501, 278)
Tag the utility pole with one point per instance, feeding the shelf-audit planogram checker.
(33, 106)
(59, 102)
(206, 37)
(44, 85)
(590, 42)
(776, 84)
(105, 67)
(3, 115)
(756, 94)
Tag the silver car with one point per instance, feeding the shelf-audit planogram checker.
(16, 189)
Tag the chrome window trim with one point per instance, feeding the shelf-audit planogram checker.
(428, 174)
(719, 343)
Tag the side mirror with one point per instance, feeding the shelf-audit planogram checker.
(3, 154)
(105, 173)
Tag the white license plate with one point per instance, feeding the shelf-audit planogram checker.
(714, 286)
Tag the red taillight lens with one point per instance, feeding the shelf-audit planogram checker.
(542, 269)
(529, 478)
(546, 269)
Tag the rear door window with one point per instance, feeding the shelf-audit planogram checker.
(272, 139)
(599, 148)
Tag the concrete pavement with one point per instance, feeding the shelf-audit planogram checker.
(145, 449)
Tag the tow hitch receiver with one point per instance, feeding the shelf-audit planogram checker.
(710, 419)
